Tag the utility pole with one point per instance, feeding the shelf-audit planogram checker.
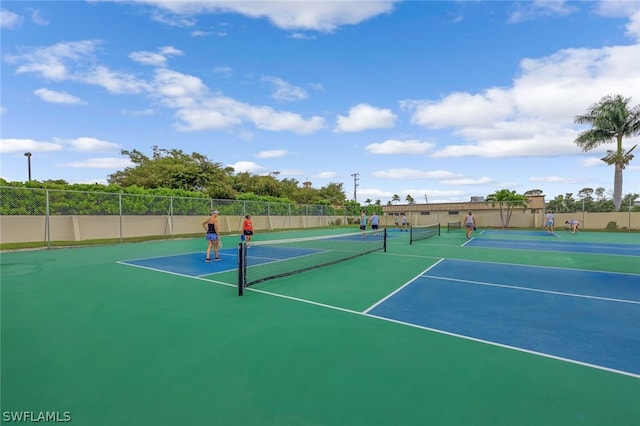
(426, 200)
(28, 155)
(355, 186)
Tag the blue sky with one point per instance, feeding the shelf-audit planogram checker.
(436, 99)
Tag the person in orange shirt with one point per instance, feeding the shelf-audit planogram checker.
(247, 229)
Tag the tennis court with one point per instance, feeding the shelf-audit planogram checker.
(511, 327)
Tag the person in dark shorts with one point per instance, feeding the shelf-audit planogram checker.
(213, 238)
(247, 229)
(375, 222)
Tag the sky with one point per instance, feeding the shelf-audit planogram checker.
(439, 100)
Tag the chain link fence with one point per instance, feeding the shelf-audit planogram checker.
(48, 215)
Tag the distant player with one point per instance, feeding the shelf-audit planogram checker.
(363, 223)
(375, 222)
(470, 224)
(247, 229)
(549, 221)
(573, 225)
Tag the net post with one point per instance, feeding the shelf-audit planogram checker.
(241, 275)
(384, 242)
(410, 235)
(439, 229)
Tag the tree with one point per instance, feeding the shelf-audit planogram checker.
(409, 199)
(507, 200)
(611, 120)
(395, 198)
(173, 169)
(533, 192)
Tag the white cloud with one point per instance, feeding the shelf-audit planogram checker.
(404, 173)
(9, 20)
(155, 59)
(526, 11)
(314, 15)
(87, 144)
(535, 116)
(326, 175)
(140, 113)
(224, 71)
(98, 163)
(410, 147)
(24, 145)
(467, 181)
(275, 153)
(592, 162)
(364, 117)
(285, 92)
(55, 62)
(554, 179)
(58, 97)
(247, 167)
(37, 18)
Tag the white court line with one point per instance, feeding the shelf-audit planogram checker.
(435, 330)
(448, 333)
(400, 288)
(183, 275)
(559, 293)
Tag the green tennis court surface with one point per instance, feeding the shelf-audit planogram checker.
(112, 340)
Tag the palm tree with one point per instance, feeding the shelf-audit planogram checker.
(409, 199)
(507, 200)
(612, 120)
(395, 198)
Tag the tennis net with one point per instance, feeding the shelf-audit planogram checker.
(417, 233)
(453, 226)
(262, 261)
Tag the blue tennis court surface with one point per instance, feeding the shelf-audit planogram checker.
(190, 264)
(583, 316)
(557, 246)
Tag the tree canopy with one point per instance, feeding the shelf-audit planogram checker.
(611, 120)
(175, 169)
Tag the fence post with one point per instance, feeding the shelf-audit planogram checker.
(47, 229)
(120, 213)
(171, 215)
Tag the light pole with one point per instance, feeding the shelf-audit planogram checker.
(28, 155)
(355, 186)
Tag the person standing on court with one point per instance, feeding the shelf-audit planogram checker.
(470, 224)
(375, 221)
(549, 221)
(213, 237)
(363, 223)
(395, 219)
(404, 223)
(247, 229)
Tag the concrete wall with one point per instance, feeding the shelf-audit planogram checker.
(14, 229)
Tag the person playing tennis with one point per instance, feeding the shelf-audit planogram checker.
(549, 221)
(375, 222)
(247, 229)
(213, 238)
(470, 224)
(573, 225)
(363, 223)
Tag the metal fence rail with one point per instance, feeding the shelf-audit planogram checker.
(65, 215)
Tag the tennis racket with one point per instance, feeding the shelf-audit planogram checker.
(242, 237)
